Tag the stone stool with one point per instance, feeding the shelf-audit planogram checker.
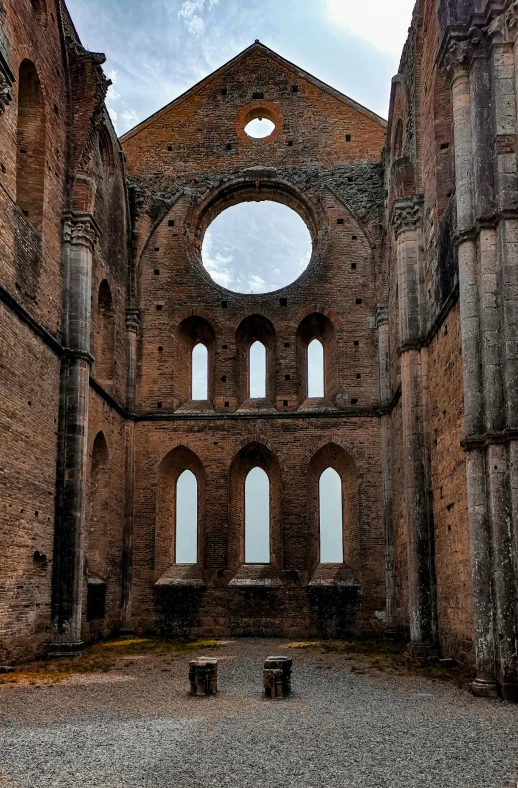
(203, 676)
(277, 677)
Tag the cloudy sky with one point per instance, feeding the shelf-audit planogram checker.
(158, 49)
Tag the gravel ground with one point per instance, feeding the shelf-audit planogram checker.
(136, 726)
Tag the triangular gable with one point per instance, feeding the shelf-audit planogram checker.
(230, 64)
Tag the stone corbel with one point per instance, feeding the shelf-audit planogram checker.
(407, 215)
(80, 229)
(132, 321)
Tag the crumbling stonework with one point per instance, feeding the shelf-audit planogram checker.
(411, 289)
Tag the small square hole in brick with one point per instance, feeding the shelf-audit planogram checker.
(159, 307)
(294, 88)
(171, 223)
(354, 402)
(348, 137)
(229, 146)
(356, 343)
(350, 180)
(224, 347)
(223, 378)
(157, 248)
(285, 403)
(157, 271)
(290, 143)
(224, 304)
(354, 237)
(160, 348)
(227, 404)
(287, 377)
(258, 94)
(339, 221)
(283, 301)
(224, 91)
(286, 344)
(353, 266)
(359, 301)
(159, 405)
(169, 148)
(358, 376)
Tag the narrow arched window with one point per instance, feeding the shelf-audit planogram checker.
(186, 547)
(315, 369)
(105, 350)
(257, 367)
(200, 373)
(331, 517)
(257, 517)
(30, 145)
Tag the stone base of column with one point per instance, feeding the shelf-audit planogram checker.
(66, 649)
(484, 688)
(509, 692)
(421, 651)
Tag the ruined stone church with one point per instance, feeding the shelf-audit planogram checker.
(412, 291)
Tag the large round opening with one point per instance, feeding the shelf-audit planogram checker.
(256, 247)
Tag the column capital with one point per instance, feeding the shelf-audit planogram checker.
(80, 229)
(381, 314)
(407, 215)
(132, 320)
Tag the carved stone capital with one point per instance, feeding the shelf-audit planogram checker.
(80, 229)
(132, 320)
(6, 95)
(381, 315)
(511, 18)
(407, 216)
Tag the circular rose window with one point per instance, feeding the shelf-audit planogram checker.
(256, 247)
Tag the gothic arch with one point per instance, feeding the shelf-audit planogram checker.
(98, 521)
(193, 330)
(255, 328)
(30, 144)
(317, 325)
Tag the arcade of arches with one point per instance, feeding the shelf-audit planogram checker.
(336, 457)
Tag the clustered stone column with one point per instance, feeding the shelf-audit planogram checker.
(203, 676)
(277, 677)
(80, 232)
(407, 224)
(483, 69)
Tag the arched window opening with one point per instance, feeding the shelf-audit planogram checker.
(257, 370)
(98, 530)
(330, 507)
(30, 145)
(40, 11)
(106, 152)
(186, 536)
(105, 361)
(398, 140)
(316, 376)
(200, 373)
(257, 517)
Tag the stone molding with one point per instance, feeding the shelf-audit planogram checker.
(132, 320)
(407, 215)
(381, 315)
(80, 229)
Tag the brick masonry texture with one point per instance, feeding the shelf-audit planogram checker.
(410, 289)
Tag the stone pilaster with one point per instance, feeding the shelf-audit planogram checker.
(382, 326)
(132, 329)
(406, 221)
(80, 233)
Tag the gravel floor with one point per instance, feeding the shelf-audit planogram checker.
(136, 726)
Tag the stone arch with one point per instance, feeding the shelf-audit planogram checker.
(331, 455)
(171, 467)
(106, 153)
(252, 455)
(99, 496)
(317, 325)
(105, 334)
(30, 145)
(255, 328)
(190, 332)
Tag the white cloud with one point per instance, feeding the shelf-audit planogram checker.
(113, 115)
(191, 11)
(376, 21)
(256, 284)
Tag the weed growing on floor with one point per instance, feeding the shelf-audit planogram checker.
(100, 658)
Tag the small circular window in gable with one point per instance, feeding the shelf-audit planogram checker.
(256, 247)
(260, 128)
(259, 122)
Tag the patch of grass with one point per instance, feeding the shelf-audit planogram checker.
(304, 644)
(100, 658)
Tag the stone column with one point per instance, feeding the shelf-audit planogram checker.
(132, 328)
(382, 325)
(406, 219)
(80, 233)
(456, 61)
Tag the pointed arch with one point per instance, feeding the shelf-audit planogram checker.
(317, 326)
(171, 469)
(257, 517)
(199, 372)
(30, 145)
(254, 456)
(105, 339)
(323, 516)
(257, 370)
(190, 333)
(255, 329)
(99, 519)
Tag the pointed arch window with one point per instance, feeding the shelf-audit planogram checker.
(257, 517)
(330, 506)
(200, 373)
(105, 352)
(257, 370)
(316, 374)
(186, 535)
(30, 145)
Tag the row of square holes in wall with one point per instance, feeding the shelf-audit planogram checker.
(290, 144)
(224, 304)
